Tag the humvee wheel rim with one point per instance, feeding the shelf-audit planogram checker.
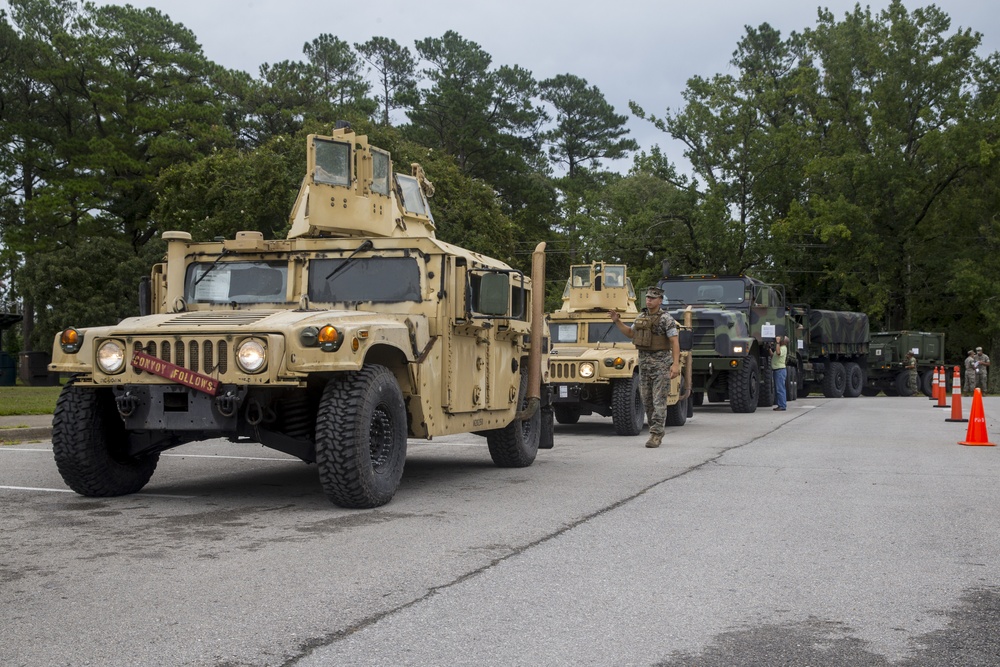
(380, 437)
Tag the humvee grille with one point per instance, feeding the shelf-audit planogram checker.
(562, 370)
(208, 357)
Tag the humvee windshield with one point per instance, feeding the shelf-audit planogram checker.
(728, 292)
(236, 282)
(605, 333)
(375, 279)
(563, 333)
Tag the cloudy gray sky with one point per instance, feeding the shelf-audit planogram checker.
(641, 50)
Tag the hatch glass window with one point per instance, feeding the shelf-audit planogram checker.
(374, 279)
(333, 163)
(614, 276)
(236, 282)
(413, 198)
(380, 172)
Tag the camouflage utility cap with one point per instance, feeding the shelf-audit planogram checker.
(979, 349)
(971, 352)
(654, 292)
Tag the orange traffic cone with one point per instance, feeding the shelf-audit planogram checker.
(977, 435)
(942, 389)
(934, 385)
(956, 398)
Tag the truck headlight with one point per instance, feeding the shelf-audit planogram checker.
(111, 357)
(587, 370)
(737, 349)
(251, 356)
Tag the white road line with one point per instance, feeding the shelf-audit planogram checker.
(193, 456)
(35, 488)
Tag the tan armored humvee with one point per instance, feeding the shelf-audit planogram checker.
(593, 367)
(358, 330)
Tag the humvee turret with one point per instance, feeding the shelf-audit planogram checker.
(334, 345)
(593, 367)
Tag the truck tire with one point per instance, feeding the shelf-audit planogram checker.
(698, 398)
(902, 388)
(627, 411)
(792, 383)
(854, 379)
(567, 414)
(869, 391)
(677, 413)
(766, 397)
(744, 386)
(516, 444)
(361, 438)
(926, 380)
(834, 380)
(89, 445)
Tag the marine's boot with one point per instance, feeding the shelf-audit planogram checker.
(654, 440)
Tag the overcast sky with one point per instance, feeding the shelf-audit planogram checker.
(641, 50)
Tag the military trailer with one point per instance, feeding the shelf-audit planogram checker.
(832, 348)
(886, 372)
(593, 367)
(735, 320)
(334, 345)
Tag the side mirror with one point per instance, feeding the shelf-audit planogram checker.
(145, 296)
(494, 294)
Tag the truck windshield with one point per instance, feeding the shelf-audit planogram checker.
(236, 282)
(605, 333)
(375, 279)
(685, 292)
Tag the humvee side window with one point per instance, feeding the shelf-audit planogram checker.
(236, 282)
(380, 172)
(413, 198)
(563, 333)
(333, 162)
(493, 294)
(375, 279)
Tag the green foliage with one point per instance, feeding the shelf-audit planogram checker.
(28, 401)
(395, 70)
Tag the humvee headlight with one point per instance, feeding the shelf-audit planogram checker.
(587, 370)
(111, 357)
(329, 338)
(251, 356)
(737, 349)
(70, 341)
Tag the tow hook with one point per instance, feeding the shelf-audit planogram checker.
(227, 404)
(127, 403)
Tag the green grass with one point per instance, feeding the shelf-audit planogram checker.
(28, 400)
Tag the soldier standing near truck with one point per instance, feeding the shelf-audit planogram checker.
(654, 334)
(982, 369)
(970, 372)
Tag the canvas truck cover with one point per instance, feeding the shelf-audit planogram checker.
(831, 327)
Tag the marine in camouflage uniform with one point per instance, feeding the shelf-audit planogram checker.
(910, 364)
(654, 334)
(982, 369)
(970, 372)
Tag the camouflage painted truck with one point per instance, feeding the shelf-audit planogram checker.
(593, 367)
(735, 320)
(832, 350)
(885, 361)
(334, 345)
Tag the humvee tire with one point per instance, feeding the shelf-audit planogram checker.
(855, 379)
(834, 380)
(744, 387)
(361, 438)
(767, 395)
(677, 413)
(567, 414)
(627, 411)
(88, 440)
(516, 444)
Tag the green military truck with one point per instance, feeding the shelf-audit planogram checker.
(734, 320)
(593, 367)
(359, 330)
(832, 349)
(886, 372)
